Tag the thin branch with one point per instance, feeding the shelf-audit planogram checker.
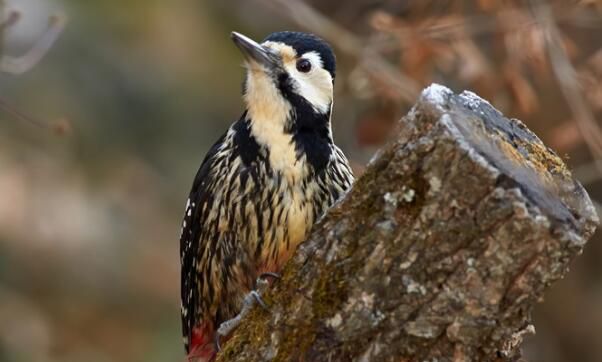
(566, 75)
(21, 116)
(476, 25)
(60, 127)
(372, 62)
(19, 65)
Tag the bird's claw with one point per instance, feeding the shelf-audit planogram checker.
(259, 300)
(254, 296)
(262, 282)
(226, 327)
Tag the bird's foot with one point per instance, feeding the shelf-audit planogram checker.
(254, 296)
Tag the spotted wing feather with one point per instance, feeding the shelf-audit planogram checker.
(190, 245)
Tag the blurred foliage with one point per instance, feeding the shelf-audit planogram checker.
(122, 108)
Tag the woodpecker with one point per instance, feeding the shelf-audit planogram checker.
(261, 186)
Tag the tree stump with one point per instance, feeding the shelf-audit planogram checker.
(438, 253)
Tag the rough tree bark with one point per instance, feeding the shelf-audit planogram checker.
(438, 253)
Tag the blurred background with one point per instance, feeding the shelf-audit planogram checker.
(107, 108)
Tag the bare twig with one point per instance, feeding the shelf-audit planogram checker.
(60, 127)
(448, 27)
(374, 64)
(566, 76)
(19, 65)
(14, 112)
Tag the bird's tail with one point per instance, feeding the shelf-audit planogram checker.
(203, 354)
(202, 346)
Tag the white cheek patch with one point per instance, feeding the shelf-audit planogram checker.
(316, 85)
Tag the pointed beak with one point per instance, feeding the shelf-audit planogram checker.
(254, 52)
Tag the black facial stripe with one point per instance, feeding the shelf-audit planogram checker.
(310, 128)
(306, 116)
(247, 147)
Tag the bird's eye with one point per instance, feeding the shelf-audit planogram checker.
(303, 65)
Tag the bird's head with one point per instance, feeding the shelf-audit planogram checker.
(290, 78)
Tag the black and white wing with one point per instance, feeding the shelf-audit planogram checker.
(189, 243)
